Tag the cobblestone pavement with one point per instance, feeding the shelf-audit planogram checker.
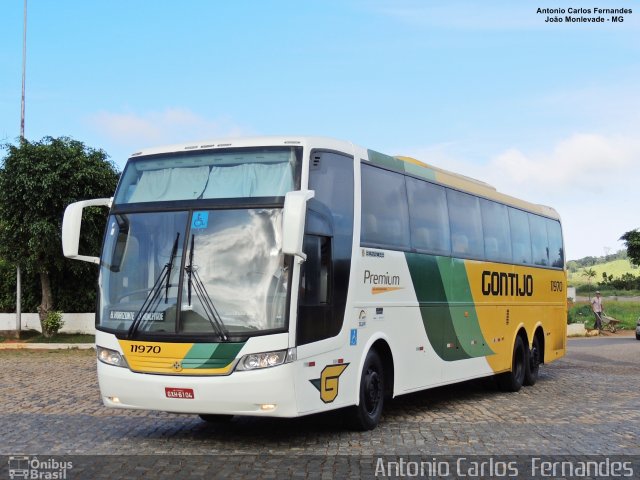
(585, 403)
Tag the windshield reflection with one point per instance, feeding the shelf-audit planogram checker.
(236, 254)
(233, 274)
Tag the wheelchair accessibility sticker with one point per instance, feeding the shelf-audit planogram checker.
(200, 220)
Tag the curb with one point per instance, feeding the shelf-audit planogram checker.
(46, 346)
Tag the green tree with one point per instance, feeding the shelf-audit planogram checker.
(590, 273)
(37, 181)
(632, 241)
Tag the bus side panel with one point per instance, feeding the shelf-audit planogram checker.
(384, 307)
(509, 296)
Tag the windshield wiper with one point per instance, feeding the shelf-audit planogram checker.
(189, 270)
(170, 266)
(153, 297)
(194, 280)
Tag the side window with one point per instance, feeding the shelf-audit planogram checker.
(495, 225)
(556, 253)
(520, 238)
(466, 224)
(314, 276)
(428, 216)
(385, 216)
(331, 176)
(539, 241)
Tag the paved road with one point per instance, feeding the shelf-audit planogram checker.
(585, 403)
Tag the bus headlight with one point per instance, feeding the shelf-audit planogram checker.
(254, 361)
(111, 357)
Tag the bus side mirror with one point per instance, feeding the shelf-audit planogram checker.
(71, 227)
(293, 220)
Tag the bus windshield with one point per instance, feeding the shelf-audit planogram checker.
(204, 272)
(240, 173)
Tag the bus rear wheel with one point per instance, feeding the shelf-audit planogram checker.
(533, 362)
(513, 380)
(366, 415)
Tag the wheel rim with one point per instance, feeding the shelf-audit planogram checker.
(534, 361)
(373, 391)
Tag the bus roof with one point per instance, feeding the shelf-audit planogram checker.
(471, 185)
(400, 163)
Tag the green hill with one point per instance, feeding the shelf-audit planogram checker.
(617, 268)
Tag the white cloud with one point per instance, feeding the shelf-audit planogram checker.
(591, 179)
(580, 161)
(172, 125)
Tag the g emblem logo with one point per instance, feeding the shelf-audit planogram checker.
(329, 381)
(177, 366)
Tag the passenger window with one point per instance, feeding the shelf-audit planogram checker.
(495, 225)
(466, 224)
(556, 253)
(520, 238)
(539, 241)
(385, 216)
(428, 217)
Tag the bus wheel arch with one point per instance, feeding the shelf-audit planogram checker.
(513, 379)
(374, 386)
(384, 351)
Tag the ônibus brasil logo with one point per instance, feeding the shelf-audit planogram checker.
(25, 467)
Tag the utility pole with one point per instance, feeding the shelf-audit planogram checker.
(24, 76)
(24, 70)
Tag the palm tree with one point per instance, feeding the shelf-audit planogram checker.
(590, 273)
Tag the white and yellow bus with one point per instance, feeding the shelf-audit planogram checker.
(285, 276)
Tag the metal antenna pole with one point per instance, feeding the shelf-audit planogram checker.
(24, 76)
(24, 70)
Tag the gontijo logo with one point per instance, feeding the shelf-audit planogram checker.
(507, 284)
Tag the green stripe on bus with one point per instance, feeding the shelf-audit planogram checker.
(419, 171)
(211, 355)
(393, 163)
(441, 283)
(386, 161)
(436, 315)
(464, 317)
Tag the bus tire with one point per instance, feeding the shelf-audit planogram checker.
(366, 415)
(212, 418)
(513, 380)
(533, 363)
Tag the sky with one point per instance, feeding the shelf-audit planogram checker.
(545, 111)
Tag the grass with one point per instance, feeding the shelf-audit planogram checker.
(586, 291)
(617, 268)
(33, 336)
(626, 312)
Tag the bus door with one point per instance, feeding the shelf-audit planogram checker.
(324, 281)
(324, 277)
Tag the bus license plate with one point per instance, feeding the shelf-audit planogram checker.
(179, 393)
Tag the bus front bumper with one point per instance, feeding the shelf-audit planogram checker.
(262, 392)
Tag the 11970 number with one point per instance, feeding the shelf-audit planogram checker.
(145, 348)
(556, 286)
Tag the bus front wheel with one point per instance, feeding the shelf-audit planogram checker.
(366, 415)
(513, 380)
(213, 418)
